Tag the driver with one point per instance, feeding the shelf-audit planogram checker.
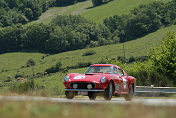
(96, 69)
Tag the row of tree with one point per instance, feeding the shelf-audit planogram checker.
(67, 2)
(66, 33)
(143, 20)
(23, 11)
(63, 34)
(100, 2)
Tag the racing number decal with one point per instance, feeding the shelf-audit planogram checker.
(79, 77)
(124, 83)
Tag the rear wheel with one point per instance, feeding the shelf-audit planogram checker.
(69, 94)
(92, 95)
(130, 95)
(108, 92)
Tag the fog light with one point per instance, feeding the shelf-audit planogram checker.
(75, 86)
(89, 86)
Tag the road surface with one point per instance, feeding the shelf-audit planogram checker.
(147, 102)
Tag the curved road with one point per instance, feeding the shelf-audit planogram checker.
(150, 102)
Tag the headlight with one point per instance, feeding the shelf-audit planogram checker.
(103, 80)
(66, 78)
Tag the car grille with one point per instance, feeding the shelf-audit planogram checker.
(82, 85)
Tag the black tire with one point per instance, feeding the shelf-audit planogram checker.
(92, 95)
(69, 94)
(108, 92)
(130, 95)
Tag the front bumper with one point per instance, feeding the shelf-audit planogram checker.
(85, 90)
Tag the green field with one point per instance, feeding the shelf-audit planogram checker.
(58, 110)
(95, 14)
(13, 63)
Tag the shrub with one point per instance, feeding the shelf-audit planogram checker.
(164, 57)
(30, 62)
(132, 59)
(18, 75)
(83, 64)
(90, 52)
(55, 68)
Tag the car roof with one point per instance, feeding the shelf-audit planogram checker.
(105, 65)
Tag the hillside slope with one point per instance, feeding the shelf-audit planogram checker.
(13, 62)
(95, 14)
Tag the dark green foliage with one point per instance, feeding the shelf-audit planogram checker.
(61, 20)
(99, 2)
(144, 72)
(55, 68)
(79, 65)
(90, 52)
(18, 75)
(164, 57)
(67, 2)
(83, 64)
(30, 62)
(143, 20)
(65, 33)
(132, 59)
(21, 11)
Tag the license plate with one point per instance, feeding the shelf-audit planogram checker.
(82, 93)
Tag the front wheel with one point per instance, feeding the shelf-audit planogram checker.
(69, 94)
(92, 95)
(130, 95)
(108, 92)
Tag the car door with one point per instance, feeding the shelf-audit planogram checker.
(123, 80)
(118, 81)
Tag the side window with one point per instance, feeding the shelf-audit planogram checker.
(115, 70)
(120, 72)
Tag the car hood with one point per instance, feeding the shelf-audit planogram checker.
(74, 77)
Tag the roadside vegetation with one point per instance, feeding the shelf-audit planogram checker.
(48, 110)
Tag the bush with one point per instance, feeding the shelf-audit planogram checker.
(132, 59)
(144, 72)
(88, 53)
(30, 62)
(55, 68)
(164, 57)
(83, 64)
(18, 75)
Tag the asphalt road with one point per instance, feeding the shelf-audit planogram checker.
(147, 102)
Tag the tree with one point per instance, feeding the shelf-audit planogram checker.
(97, 2)
(29, 63)
(164, 57)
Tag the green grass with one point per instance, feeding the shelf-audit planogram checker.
(55, 110)
(95, 14)
(116, 7)
(11, 63)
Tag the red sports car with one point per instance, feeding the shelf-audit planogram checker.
(100, 79)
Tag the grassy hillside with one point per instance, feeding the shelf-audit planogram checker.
(14, 63)
(96, 14)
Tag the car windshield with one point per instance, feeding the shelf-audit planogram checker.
(100, 69)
